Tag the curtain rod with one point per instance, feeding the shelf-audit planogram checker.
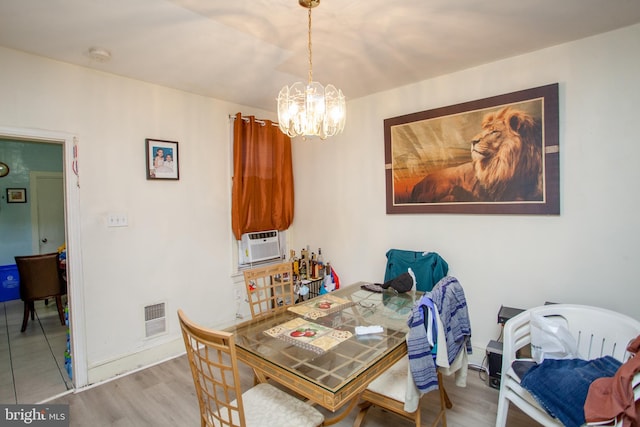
(246, 119)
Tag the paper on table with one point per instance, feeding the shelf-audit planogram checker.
(309, 335)
(373, 329)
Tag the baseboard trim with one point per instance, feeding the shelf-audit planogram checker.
(128, 364)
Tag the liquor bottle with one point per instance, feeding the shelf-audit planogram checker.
(294, 266)
(313, 266)
(320, 262)
(303, 265)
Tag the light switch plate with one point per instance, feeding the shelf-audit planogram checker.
(117, 220)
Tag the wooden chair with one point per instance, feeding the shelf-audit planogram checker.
(40, 279)
(388, 392)
(269, 288)
(598, 332)
(212, 358)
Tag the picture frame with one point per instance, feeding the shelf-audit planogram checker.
(497, 155)
(163, 161)
(16, 195)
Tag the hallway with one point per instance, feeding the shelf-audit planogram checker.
(31, 363)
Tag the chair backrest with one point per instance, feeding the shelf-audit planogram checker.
(599, 332)
(39, 276)
(269, 288)
(212, 358)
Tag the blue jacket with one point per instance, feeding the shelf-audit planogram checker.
(448, 297)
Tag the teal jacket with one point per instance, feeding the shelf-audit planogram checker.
(429, 267)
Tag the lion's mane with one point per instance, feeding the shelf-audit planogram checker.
(506, 164)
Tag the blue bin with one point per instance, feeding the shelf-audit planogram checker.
(9, 283)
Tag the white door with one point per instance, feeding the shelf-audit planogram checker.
(47, 211)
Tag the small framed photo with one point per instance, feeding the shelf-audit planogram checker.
(16, 195)
(162, 159)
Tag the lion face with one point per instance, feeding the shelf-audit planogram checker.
(488, 143)
(507, 156)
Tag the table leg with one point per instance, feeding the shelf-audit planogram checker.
(343, 414)
(364, 407)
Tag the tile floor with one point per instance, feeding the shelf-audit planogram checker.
(31, 363)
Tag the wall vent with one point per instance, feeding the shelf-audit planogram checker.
(155, 320)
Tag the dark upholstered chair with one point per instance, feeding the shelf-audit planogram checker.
(40, 279)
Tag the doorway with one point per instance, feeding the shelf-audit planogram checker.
(70, 145)
(47, 211)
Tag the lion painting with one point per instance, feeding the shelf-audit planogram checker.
(506, 165)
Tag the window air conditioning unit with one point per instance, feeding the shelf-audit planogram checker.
(259, 246)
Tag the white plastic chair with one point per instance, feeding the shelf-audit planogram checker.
(598, 332)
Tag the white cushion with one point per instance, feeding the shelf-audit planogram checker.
(266, 406)
(393, 382)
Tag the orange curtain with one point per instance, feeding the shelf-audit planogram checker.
(262, 194)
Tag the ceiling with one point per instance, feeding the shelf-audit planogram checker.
(246, 51)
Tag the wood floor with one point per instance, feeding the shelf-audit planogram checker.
(32, 370)
(163, 395)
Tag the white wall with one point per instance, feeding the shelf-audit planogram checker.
(588, 254)
(177, 246)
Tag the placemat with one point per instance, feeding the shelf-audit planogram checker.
(309, 335)
(320, 306)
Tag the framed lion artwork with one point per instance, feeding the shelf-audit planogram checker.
(497, 155)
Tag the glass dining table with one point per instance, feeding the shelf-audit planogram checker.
(325, 348)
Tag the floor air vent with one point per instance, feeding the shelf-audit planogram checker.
(155, 321)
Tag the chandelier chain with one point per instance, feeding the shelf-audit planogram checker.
(309, 47)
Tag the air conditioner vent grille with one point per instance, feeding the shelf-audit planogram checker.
(259, 246)
(155, 321)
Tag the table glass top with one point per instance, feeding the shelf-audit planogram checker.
(332, 354)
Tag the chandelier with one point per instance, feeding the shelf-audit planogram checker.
(310, 109)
